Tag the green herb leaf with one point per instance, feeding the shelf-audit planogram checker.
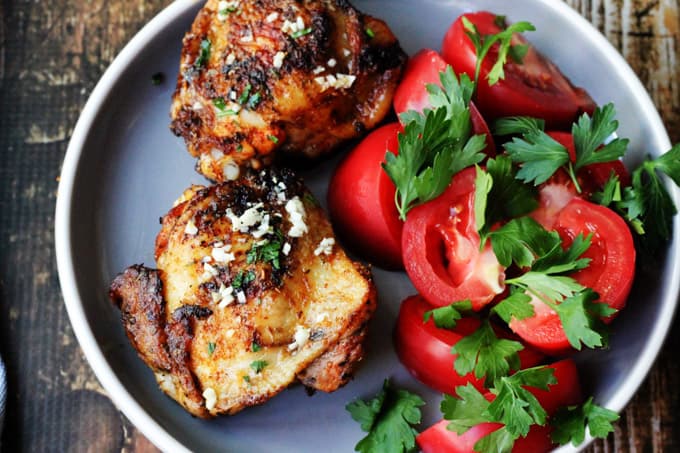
(258, 365)
(486, 354)
(580, 317)
(204, 54)
(255, 347)
(539, 154)
(267, 251)
(370, 33)
(499, 441)
(483, 184)
(245, 94)
(514, 405)
(435, 145)
(466, 410)
(517, 305)
(211, 348)
(254, 100)
(301, 33)
(446, 317)
(590, 133)
(569, 423)
(669, 163)
(483, 44)
(273, 138)
(521, 241)
(518, 125)
(388, 419)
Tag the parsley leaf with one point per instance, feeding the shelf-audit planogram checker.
(258, 365)
(388, 419)
(466, 410)
(579, 315)
(204, 54)
(517, 305)
(569, 423)
(486, 354)
(483, 44)
(540, 155)
(499, 441)
(518, 125)
(590, 133)
(446, 317)
(266, 251)
(435, 145)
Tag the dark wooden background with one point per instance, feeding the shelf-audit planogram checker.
(52, 53)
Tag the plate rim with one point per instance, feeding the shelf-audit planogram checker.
(119, 395)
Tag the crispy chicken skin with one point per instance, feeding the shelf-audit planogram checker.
(257, 76)
(251, 294)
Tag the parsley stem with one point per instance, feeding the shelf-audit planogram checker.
(572, 175)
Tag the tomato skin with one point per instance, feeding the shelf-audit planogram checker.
(425, 350)
(535, 88)
(440, 247)
(610, 273)
(361, 200)
(567, 391)
(411, 94)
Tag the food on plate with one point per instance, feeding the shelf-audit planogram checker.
(540, 234)
(531, 84)
(299, 77)
(251, 294)
(361, 200)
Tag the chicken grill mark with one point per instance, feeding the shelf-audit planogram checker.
(296, 76)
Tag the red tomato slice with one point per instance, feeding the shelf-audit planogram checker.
(361, 200)
(567, 391)
(425, 350)
(424, 68)
(534, 88)
(441, 249)
(610, 273)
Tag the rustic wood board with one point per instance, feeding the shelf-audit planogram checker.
(51, 55)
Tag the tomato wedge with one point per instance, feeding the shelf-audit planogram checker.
(610, 273)
(536, 87)
(567, 391)
(361, 200)
(441, 249)
(411, 94)
(425, 350)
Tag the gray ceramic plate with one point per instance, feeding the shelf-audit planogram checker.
(124, 168)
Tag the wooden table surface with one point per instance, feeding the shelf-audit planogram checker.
(52, 53)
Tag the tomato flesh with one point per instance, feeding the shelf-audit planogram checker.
(610, 273)
(411, 94)
(534, 88)
(361, 200)
(441, 249)
(567, 391)
(425, 350)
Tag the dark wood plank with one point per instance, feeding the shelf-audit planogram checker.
(51, 55)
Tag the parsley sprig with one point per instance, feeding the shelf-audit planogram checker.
(388, 419)
(569, 423)
(540, 156)
(484, 43)
(435, 145)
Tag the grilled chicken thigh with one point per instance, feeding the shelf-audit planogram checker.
(257, 76)
(251, 294)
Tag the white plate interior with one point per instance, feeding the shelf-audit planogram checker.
(124, 169)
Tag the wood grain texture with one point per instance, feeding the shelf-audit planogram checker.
(51, 55)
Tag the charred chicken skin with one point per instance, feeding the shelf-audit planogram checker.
(251, 294)
(300, 77)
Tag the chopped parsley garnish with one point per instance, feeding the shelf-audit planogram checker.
(222, 109)
(254, 100)
(369, 32)
(211, 348)
(258, 365)
(227, 10)
(242, 279)
(483, 44)
(255, 347)
(246, 378)
(388, 419)
(267, 251)
(273, 138)
(300, 33)
(157, 78)
(204, 54)
(245, 94)
(435, 145)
